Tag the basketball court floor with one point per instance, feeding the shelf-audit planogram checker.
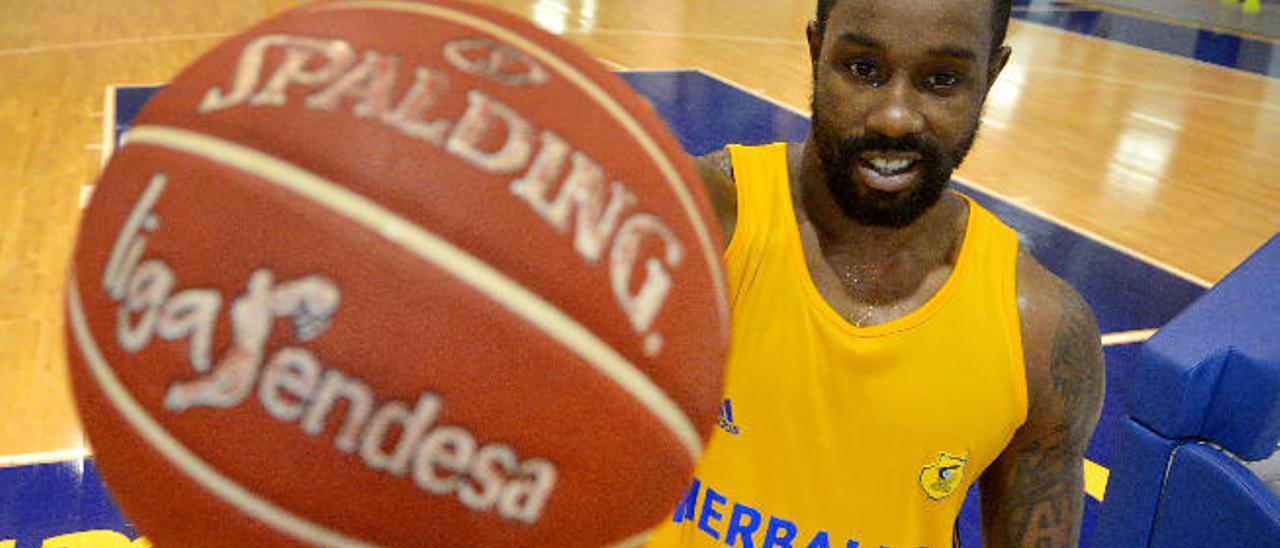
(1133, 154)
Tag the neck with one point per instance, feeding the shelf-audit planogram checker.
(837, 230)
(877, 260)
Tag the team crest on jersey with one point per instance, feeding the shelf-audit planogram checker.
(942, 477)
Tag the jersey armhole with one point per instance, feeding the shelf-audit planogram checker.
(1017, 352)
(742, 214)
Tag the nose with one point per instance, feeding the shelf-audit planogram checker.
(898, 112)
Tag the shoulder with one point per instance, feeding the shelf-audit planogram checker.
(1042, 295)
(1061, 345)
(715, 165)
(716, 171)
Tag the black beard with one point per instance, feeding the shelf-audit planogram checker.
(839, 159)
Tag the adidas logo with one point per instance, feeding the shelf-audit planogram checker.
(726, 418)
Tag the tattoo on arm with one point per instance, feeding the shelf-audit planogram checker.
(1045, 510)
(1074, 381)
(1036, 487)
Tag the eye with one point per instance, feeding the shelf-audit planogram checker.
(865, 70)
(943, 80)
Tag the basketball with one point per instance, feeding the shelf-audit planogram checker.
(397, 273)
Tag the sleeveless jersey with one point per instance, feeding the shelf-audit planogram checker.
(836, 435)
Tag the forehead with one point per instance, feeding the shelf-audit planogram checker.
(966, 22)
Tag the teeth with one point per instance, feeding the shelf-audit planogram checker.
(889, 165)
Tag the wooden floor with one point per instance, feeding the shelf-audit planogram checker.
(1172, 160)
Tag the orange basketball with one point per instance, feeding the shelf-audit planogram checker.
(397, 273)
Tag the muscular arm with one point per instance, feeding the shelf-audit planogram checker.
(1033, 494)
(716, 170)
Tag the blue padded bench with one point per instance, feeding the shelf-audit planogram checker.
(1204, 397)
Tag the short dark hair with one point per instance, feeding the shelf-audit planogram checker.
(999, 19)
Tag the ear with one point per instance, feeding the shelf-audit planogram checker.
(998, 61)
(815, 41)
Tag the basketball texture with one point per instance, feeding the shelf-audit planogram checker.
(397, 273)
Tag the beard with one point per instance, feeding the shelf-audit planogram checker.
(840, 158)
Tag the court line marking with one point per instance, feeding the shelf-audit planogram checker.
(613, 65)
(1098, 238)
(752, 92)
(650, 70)
(647, 33)
(1020, 204)
(109, 115)
(1105, 40)
(178, 454)
(44, 457)
(1127, 337)
(1050, 9)
(115, 42)
(1174, 21)
(1095, 479)
(108, 126)
(1170, 90)
(1156, 121)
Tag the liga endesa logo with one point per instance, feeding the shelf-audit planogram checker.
(292, 385)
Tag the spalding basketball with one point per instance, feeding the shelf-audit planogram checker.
(397, 273)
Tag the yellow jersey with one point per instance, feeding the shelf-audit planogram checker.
(836, 435)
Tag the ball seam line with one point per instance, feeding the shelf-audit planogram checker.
(602, 97)
(182, 457)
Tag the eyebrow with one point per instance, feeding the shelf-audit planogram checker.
(861, 40)
(955, 52)
(952, 51)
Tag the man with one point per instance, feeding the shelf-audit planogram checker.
(892, 341)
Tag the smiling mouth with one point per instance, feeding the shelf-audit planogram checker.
(889, 171)
(890, 167)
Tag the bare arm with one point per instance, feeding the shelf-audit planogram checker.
(1033, 494)
(716, 170)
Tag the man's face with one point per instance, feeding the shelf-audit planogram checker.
(898, 91)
